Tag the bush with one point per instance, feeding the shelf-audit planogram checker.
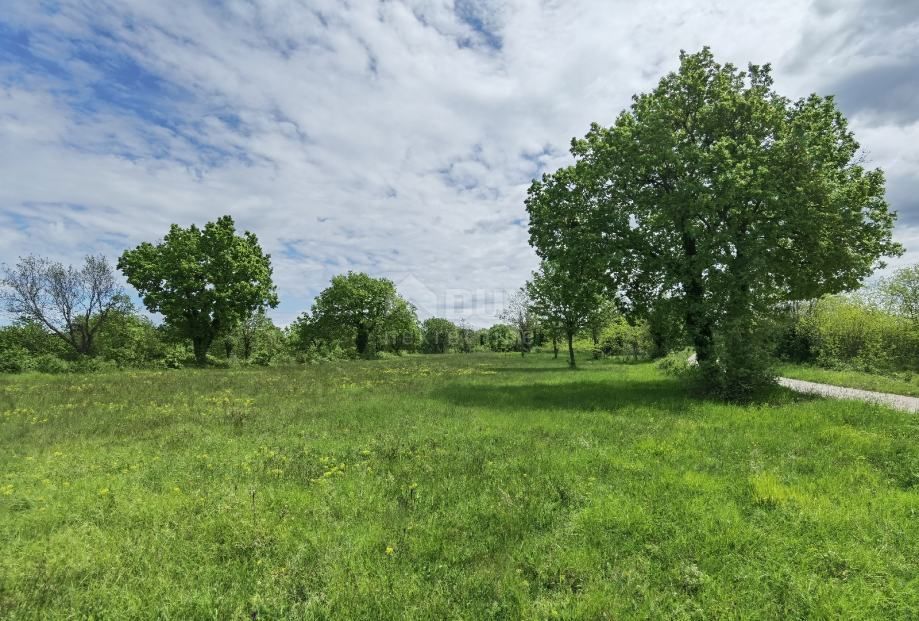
(48, 363)
(677, 363)
(14, 360)
(262, 358)
(744, 367)
(623, 339)
(851, 332)
(175, 358)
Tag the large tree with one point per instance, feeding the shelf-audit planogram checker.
(721, 197)
(204, 281)
(361, 310)
(72, 303)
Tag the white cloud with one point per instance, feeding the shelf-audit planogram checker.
(392, 137)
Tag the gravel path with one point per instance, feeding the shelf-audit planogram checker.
(897, 402)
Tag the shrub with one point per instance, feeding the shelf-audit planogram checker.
(48, 363)
(620, 338)
(175, 358)
(262, 358)
(14, 360)
(677, 363)
(853, 332)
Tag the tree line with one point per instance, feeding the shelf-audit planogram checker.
(706, 210)
(213, 287)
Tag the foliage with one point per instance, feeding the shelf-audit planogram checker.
(851, 331)
(900, 293)
(33, 339)
(519, 313)
(73, 304)
(130, 340)
(678, 363)
(13, 359)
(716, 198)
(254, 339)
(447, 487)
(49, 363)
(563, 301)
(502, 338)
(203, 281)
(439, 336)
(621, 338)
(362, 313)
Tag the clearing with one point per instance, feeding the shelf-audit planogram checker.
(478, 486)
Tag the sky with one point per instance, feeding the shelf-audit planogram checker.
(396, 137)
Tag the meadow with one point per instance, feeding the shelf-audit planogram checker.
(483, 486)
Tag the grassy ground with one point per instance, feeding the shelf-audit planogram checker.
(898, 384)
(448, 487)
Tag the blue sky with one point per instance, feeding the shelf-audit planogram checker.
(395, 137)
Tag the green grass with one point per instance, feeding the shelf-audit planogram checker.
(448, 487)
(898, 384)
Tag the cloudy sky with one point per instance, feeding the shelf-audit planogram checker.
(392, 136)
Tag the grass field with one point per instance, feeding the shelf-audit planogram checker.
(899, 384)
(472, 487)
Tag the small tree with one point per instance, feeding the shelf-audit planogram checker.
(501, 338)
(74, 304)
(203, 281)
(601, 315)
(562, 302)
(468, 337)
(900, 293)
(439, 335)
(520, 314)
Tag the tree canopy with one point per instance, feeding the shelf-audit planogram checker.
(363, 311)
(204, 281)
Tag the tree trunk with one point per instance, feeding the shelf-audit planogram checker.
(200, 345)
(555, 346)
(571, 362)
(363, 341)
(698, 323)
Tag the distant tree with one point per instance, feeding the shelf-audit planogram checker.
(130, 339)
(72, 303)
(601, 315)
(519, 313)
(562, 302)
(468, 337)
(203, 281)
(501, 338)
(249, 332)
(400, 330)
(716, 198)
(900, 293)
(439, 335)
(361, 311)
